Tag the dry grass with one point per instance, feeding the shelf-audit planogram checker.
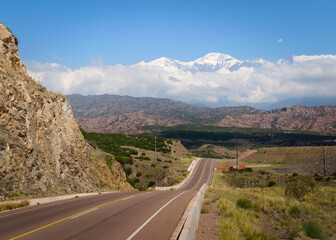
(292, 155)
(272, 214)
(10, 206)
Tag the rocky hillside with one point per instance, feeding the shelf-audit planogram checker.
(113, 114)
(317, 119)
(41, 147)
(118, 114)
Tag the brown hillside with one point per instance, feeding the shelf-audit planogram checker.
(317, 119)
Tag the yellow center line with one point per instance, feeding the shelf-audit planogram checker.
(201, 175)
(61, 220)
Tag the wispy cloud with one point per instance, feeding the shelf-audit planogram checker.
(298, 76)
(280, 40)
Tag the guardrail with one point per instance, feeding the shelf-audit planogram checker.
(190, 226)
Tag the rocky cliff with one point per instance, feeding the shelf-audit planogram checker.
(317, 119)
(41, 147)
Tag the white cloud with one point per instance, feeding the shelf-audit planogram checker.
(280, 40)
(268, 82)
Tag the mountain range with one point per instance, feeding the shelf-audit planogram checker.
(213, 80)
(211, 62)
(112, 113)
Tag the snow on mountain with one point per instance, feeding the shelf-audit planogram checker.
(211, 62)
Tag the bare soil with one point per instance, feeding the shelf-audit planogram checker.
(207, 226)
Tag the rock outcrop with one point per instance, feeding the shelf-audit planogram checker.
(41, 146)
(298, 118)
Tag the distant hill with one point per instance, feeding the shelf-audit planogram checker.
(112, 113)
(298, 118)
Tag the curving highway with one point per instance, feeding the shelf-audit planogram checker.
(122, 215)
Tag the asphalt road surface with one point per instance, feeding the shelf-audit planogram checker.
(123, 215)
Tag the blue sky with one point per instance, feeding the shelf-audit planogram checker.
(75, 33)
(87, 47)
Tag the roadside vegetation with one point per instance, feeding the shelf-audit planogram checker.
(10, 206)
(306, 160)
(257, 204)
(136, 154)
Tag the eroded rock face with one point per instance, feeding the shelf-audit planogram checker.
(317, 119)
(41, 147)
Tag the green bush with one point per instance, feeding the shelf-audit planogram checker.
(204, 209)
(128, 171)
(151, 184)
(139, 174)
(297, 189)
(294, 211)
(318, 177)
(148, 176)
(136, 180)
(244, 203)
(153, 165)
(334, 175)
(312, 230)
(247, 169)
(271, 183)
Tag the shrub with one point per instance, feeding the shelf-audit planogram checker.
(136, 180)
(139, 174)
(312, 230)
(204, 209)
(294, 211)
(151, 184)
(297, 189)
(318, 177)
(148, 176)
(292, 228)
(244, 203)
(334, 174)
(152, 165)
(128, 171)
(271, 183)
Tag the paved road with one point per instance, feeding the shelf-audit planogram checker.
(124, 215)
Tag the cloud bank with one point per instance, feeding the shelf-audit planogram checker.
(214, 79)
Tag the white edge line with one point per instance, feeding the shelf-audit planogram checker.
(38, 208)
(83, 213)
(127, 198)
(149, 219)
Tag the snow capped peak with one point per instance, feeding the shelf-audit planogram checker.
(211, 62)
(161, 60)
(215, 57)
(215, 61)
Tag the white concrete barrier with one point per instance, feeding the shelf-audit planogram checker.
(190, 226)
(190, 170)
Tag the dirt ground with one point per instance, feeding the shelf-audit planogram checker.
(207, 226)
